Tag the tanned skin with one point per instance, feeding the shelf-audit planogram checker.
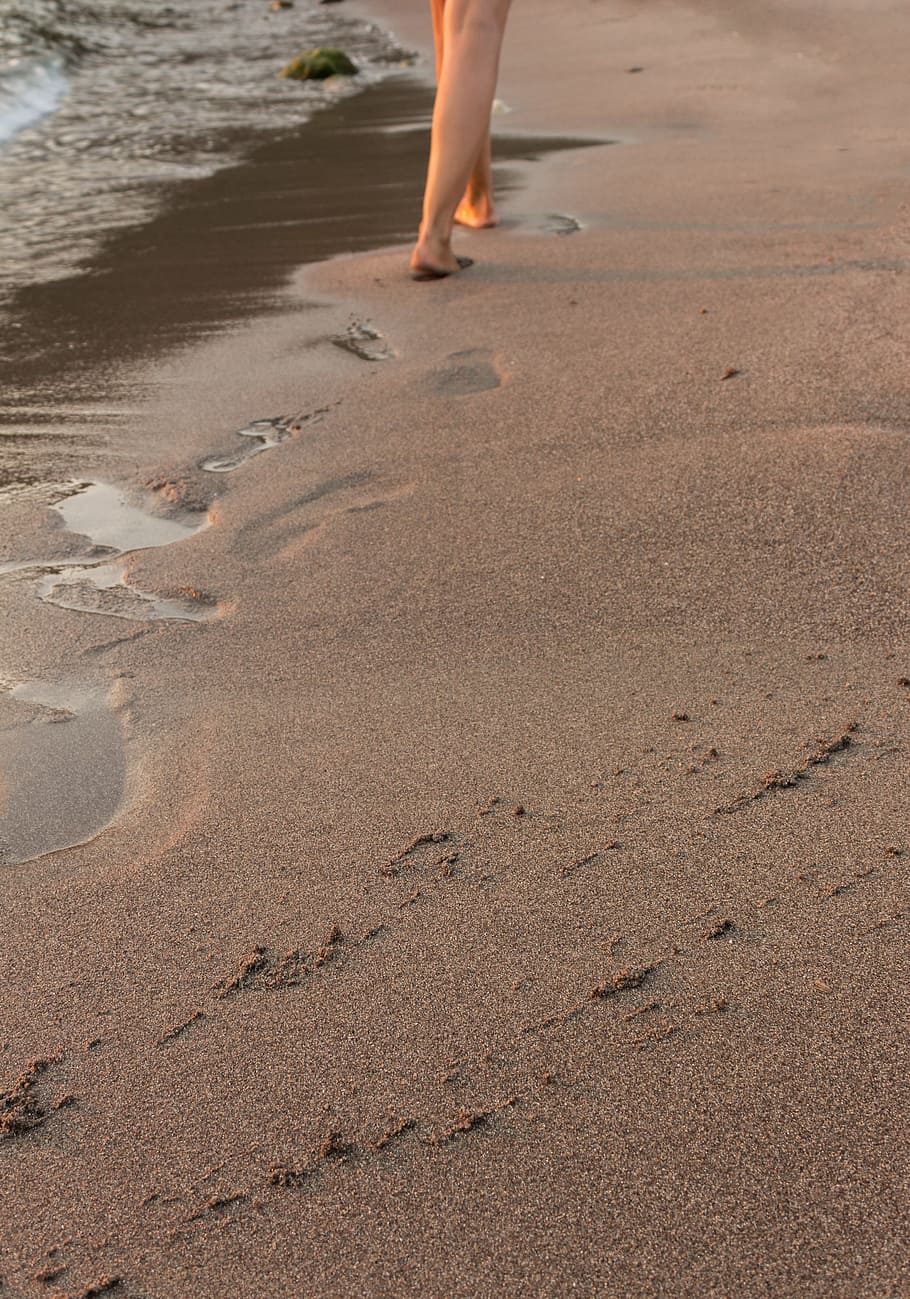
(468, 37)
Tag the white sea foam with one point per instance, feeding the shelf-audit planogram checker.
(29, 90)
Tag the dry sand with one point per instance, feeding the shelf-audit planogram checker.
(509, 891)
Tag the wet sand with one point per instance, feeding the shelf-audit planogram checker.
(221, 247)
(508, 894)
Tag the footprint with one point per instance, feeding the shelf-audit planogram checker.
(103, 588)
(437, 852)
(62, 774)
(272, 531)
(465, 373)
(364, 341)
(558, 223)
(22, 1107)
(115, 528)
(104, 515)
(261, 435)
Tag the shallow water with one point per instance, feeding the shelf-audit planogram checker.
(29, 90)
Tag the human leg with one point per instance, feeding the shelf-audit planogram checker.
(468, 57)
(476, 208)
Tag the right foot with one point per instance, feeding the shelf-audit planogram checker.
(480, 215)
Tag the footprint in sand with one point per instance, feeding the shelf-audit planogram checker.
(97, 582)
(272, 531)
(364, 341)
(558, 223)
(104, 589)
(465, 373)
(261, 435)
(62, 772)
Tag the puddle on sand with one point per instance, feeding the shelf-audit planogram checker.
(62, 775)
(116, 528)
(262, 435)
(104, 515)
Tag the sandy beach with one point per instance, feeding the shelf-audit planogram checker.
(454, 745)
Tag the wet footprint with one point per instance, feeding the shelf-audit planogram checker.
(104, 515)
(465, 373)
(558, 223)
(62, 774)
(261, 435)
(115, 528)
(364, 341)
(103, 588)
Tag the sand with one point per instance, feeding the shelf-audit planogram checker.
(508, 890)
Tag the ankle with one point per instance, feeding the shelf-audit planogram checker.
(434, 245)
(437, 232)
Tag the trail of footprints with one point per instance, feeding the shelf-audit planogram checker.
(98, 582)
(636, 998)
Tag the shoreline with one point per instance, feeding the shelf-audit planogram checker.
(114, 141)
(511, 890)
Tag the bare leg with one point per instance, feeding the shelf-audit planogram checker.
(476, 208)
(472, 32)
(437, 8)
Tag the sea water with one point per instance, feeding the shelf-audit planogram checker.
(104, 103)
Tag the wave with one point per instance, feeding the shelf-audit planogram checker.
(29, 90)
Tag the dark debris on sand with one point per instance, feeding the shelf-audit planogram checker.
(263, 969)
(20, 1108)
(780, 779)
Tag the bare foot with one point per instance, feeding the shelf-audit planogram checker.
(479, 214)
(421, 271)
(432, 258)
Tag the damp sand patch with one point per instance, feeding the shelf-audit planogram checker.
(466, 372)
(98, 581)
(62, 773)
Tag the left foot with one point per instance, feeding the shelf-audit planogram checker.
(433, 259)
(423, 271)
(433, 252)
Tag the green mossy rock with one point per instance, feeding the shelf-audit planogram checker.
(317, 65)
